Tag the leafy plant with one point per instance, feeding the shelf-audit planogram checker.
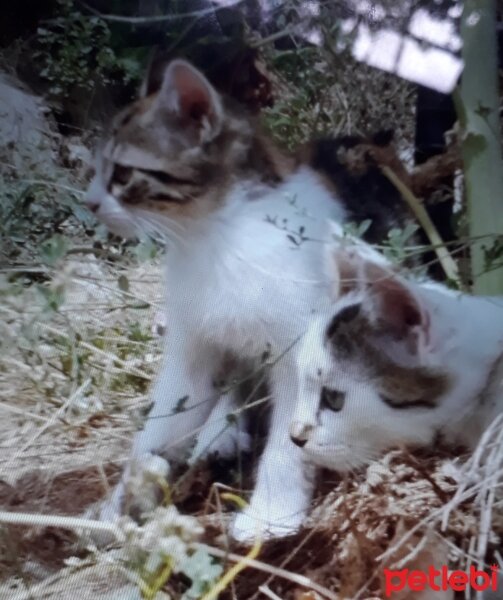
(75, 52)
(398, 239)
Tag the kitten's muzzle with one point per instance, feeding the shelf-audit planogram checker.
(300, 433)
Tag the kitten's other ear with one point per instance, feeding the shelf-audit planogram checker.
(399, 311)
(341, 262)
(347, 270)
(346, 258)
(186, 93)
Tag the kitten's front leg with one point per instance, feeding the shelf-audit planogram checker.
(285, 481)
(183, 396)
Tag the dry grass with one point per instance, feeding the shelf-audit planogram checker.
(67, 424)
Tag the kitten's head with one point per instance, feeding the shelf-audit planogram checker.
(366, 377)
(171, 155)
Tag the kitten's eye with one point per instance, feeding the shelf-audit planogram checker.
(389, 401)
(332, 399)
(404, 404)
(164, 177)
(121, 174)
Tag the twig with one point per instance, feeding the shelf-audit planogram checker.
(268, 592)
(44, 181)
(72, 523)
(448, 264)
(427, 176)
(51, 421)
(264, 567)
(233, 572)
(68, 188)
(272, 38)
(105, 354)
(156, 19)
(290, 556)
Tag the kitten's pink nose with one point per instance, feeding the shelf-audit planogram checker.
(298, 442)
(299, 433)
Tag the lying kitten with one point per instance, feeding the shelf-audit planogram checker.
(244, 228)
(395, 362)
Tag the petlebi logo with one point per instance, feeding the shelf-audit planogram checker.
(440, 580)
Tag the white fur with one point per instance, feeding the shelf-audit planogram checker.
(465, 340)
(236, 282)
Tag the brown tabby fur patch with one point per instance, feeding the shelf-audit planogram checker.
(350, 334)
(155, 165)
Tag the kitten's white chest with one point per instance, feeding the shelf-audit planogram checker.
(253, 275)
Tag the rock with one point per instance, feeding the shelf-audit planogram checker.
(26, 134)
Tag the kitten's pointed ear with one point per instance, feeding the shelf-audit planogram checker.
(400, 312)
(345, 261)
(338, 265)
(186, 93)
(344, 268)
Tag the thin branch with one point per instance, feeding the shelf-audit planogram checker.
(273, 37)
(269, 593)
(53, 184)
(446, 260)
(72, 523)
(149, 20)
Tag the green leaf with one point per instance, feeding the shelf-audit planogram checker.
(203, 572)
(357, 229)
(54, 297)
(54, 249)
(123, 283)
(145, 250)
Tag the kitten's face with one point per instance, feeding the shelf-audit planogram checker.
(364, 383)
(168, 156)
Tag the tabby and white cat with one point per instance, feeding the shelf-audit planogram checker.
(395, 362)
(245, 230)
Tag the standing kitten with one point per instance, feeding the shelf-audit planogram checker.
(395, 362)
(243, 273)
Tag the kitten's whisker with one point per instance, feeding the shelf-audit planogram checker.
(168, 221)
(162, 233)
(164, 224)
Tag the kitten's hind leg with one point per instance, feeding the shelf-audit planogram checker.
(224, 433)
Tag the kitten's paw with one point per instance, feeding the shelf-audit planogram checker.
(145, 484)
(111, 508)
(109, 511)
(139, 492)
(250, 525)
(222, 442)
